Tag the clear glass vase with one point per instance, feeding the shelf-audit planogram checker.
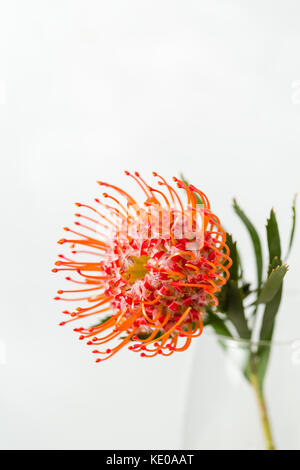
(226, 411)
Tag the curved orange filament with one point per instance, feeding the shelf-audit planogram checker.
(117, 202)
(162, 194)
(165, 318)
(183, 252)
(163, 182)
(190, 194)
(120, 346)
(168, 332)
(203, 197)
(120, 191)
(195, 268)
(90, 219)
(150, 320)
(152, 302)
(139, 183)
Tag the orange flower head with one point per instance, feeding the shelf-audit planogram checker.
(148, 271)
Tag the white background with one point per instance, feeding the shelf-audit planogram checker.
(88, 89)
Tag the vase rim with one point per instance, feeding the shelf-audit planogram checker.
(250, 342)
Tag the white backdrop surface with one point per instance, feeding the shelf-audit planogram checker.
(88, 89)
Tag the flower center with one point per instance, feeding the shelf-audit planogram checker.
(137, 270)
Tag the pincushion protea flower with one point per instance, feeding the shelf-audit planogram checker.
(155, 267)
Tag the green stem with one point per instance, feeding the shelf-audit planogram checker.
(263, 413)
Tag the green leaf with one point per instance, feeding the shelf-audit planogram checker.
(103, 320)
(217, 323)
(272, 293)
(272, 284)
(263, 354)
(222, 299)
(246, 289)
(293, 227)
(219, 326)
(256, 365)
(262, 361)
(255, 240)
(273, 242)
(269, 316)
(234, 269)
(235, 275)
(222, 294)
(235, 309)
(241, 271)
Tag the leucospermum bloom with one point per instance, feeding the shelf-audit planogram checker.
(144, 273)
